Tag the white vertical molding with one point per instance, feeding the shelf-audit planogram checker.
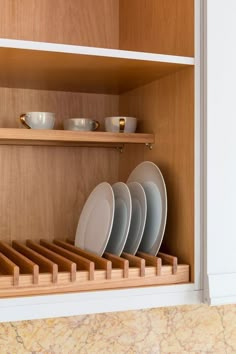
(204, 105)
(198, 151)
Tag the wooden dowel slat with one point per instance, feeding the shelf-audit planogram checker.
(71, 242)
(82, 263)
(9, 268)
(25, 264)
(45, 264)
(100, 263)
(169, 260)
(63, 263)
(135, 261)
(151, 261)
(118, 262)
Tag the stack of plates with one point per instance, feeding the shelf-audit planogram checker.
(125, 217)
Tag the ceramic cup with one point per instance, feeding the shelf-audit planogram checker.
(120, 124)
(82, 124)
(38, 120)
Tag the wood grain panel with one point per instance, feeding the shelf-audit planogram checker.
(133, 154)
(13, 102)
(83, 22)
(52, 70)
(44, 188)
(166, 107)
(158, 26)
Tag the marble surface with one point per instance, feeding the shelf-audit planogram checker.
(183, 329)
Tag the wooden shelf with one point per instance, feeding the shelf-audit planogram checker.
(48, 66)
(54, 267)
(9, 136)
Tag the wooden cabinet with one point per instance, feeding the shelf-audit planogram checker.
(96, 59)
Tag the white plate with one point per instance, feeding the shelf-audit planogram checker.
(138, 218)
(122, 218)
(96, 220)
(150, 177)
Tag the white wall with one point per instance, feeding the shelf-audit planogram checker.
(221, 136)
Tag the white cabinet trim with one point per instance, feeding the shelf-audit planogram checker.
(38, 307)
(93, 51)
(222, 288)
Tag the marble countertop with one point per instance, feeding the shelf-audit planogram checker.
(183, 329)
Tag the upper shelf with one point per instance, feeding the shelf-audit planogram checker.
(49, 66)
(71, 138)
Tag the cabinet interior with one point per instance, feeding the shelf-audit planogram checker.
(155, 26)
(43, 188)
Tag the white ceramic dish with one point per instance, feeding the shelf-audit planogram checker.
(138, 218)
(151, 179)
(81, 124)
(96, 220)
(122, 219)
(120, 124)
(38, 120)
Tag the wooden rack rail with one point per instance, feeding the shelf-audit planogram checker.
(58, 266)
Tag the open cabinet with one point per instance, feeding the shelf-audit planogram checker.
(96, 59)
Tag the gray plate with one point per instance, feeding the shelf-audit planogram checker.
(151, 179)
(122, 219)
(138, 218)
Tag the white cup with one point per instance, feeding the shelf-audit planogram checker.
(82, 124)
(38, 120)
(120, 124)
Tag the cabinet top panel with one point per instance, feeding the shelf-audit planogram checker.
(38, 65)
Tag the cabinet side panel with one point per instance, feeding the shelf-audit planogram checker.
(159, 26)
(43, 189)
(166, 107)
(83, 22)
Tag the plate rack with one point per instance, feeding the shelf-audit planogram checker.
(46, 267)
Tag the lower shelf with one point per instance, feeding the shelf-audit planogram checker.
(48, 267)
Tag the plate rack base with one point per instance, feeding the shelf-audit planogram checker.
(49, 267)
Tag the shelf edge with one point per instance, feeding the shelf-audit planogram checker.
(94, 51)
(16, 136)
